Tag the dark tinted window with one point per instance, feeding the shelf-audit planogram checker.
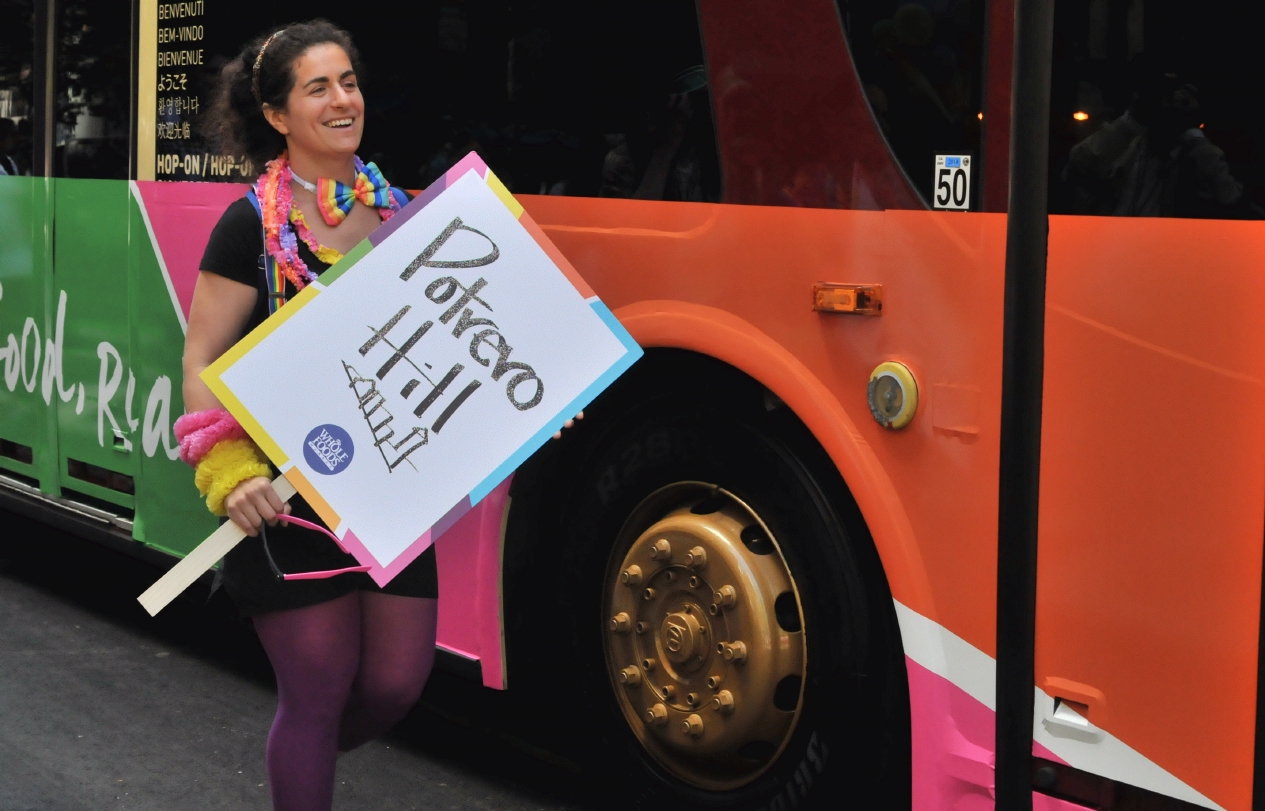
(92, 85)
(921, 65)
(17, 42)
(591, 99)
(1157, 109)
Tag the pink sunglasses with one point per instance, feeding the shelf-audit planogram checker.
(317, 575)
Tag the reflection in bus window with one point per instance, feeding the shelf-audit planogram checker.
(568, 98)
(920, 64)
(1156, 110)
(17, 42)
(92, 85)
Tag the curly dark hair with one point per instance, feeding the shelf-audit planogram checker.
(237, 124)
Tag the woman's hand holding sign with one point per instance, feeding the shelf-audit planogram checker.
(568, 424)
(255, 501)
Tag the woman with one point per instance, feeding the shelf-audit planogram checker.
(350, 658)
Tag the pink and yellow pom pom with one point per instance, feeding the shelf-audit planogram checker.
(225, 466)
(221, 453)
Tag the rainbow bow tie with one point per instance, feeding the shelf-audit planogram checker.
(335, 199)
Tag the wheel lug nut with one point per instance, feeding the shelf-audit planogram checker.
(657, 715)
(726, 596)
(693, 725)
(723, 703)
(668, 692)
(696, 558)
(648, 594)
(621, 623)
(631, 576)
(648, 664)
(713, 609)
(630, 675)
(735, 652)
(691, 699)
(695, 582)
(662, 550)
(714, 681)
(642, 627)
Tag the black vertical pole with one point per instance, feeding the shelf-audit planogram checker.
(42, 84)
(133, 88)
(1023, 364)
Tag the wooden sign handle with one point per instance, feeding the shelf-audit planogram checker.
(202, 558)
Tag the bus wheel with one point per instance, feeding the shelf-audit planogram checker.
(704, 642)
(694, 606)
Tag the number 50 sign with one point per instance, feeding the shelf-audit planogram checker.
(953, 182)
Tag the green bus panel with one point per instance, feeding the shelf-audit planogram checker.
(90, 357)
(28, 439)
(95, 449)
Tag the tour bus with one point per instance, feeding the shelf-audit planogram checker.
(763, 572)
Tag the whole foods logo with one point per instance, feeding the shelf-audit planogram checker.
(328, 449)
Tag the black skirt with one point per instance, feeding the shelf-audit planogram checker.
(254, 589)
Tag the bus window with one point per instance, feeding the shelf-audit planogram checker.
(920, 64)
(568, 98)
(92, 89)
(17, 41)
(1157, 110)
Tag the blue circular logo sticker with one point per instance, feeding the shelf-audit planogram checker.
(328, 449)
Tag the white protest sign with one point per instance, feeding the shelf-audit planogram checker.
(423, 368)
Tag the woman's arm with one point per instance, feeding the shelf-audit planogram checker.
(218, 316)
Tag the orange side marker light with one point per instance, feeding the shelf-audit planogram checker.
(856, 299)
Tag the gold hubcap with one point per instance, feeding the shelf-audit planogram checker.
(707, 677)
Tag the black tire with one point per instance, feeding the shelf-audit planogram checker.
(850, 748)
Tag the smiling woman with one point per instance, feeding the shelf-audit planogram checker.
(350, 658)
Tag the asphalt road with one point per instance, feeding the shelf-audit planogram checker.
(102, 707)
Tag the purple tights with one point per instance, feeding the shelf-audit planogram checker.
(347, 671)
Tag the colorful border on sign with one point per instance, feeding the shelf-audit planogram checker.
(383, 574)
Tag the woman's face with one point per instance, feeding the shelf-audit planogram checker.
(325, 111)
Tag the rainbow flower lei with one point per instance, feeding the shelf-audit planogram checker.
(284, 225)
